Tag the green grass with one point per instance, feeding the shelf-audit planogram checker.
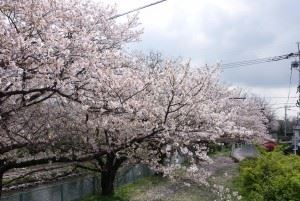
(126, 192)
(102, 198)
(162, 189)
(225, 152)
(157, 188)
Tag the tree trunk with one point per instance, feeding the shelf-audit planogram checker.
(107, 182)
(1, 183)
(108, 172)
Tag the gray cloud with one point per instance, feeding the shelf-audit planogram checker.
(264, 28)
(209, 31)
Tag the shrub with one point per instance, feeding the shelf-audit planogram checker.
(272, 176)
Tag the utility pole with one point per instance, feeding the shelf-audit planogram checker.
(296, 130)
(298, 67)
(296, 134)
(285, 109)
(296, 137)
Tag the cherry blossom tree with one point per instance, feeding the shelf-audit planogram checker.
(56, 48)
(249, 116)
(149, 111)
(265, 107)
(51, 50)
(68, 92)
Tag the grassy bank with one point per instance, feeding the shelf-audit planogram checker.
(156, 188)
(126, 192)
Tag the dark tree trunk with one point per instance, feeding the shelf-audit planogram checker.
(108, 172)
(1, 183)
(107, 182)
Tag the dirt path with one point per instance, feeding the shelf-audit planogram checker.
(223, 170)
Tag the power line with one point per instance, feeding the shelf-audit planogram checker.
(260, 60)
(136, 9)
(294, 110)
(246, 62)
(282, 104)
(257, 61)
(278, 97)
(276, 108)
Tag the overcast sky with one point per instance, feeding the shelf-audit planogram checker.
(209, 31)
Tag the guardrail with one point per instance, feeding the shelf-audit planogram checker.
(76, 188)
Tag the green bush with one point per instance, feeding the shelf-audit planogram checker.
(272, 176)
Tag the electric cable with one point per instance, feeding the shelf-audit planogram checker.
(244, 63)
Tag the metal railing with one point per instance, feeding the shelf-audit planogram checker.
(76, 188)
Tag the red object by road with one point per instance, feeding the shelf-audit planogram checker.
(269, 145)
